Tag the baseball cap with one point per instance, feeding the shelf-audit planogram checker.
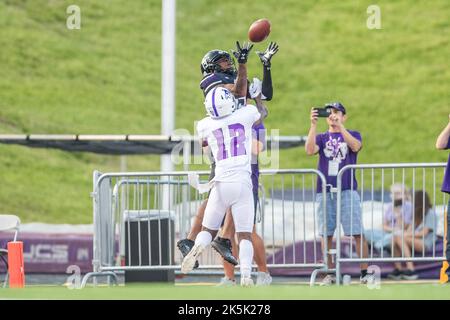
(337, 106)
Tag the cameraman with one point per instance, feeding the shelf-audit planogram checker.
(337, 148)
(443, 143)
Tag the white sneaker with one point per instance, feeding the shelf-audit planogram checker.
(367, 279)
(329, 280)
(263, 279)
(226, 282)
(189, 261)
(246, 282)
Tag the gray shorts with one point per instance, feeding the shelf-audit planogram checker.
(350, 213)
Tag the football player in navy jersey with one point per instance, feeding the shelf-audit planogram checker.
(218, 69)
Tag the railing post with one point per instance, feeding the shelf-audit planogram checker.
(337, 191)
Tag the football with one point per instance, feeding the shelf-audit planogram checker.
(259, 30)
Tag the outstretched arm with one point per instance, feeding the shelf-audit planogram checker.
(239, 89)
(267, 89)
(311, 147)
(266, 56)
(442, 140)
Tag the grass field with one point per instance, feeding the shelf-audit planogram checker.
(194, 292)
(105, 79)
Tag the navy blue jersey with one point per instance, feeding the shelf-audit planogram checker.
(213, 79)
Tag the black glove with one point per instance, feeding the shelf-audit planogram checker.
(267, 55)
(242, 52)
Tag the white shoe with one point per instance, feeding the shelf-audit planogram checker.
(329, 280)
(226, 282)
(189, 261)
(367, 279)
(246, 282)
(263, 279)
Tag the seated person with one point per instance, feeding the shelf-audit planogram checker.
(397, 216)
(420, 234)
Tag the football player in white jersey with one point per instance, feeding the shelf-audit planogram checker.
(229, 135)
(217, 66)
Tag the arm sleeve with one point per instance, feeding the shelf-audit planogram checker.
(356, 135)
(267, 89)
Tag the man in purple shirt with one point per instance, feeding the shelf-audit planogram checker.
(443, 143)
(337, 148)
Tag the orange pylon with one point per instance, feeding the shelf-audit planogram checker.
(444, 277)
(15, 264)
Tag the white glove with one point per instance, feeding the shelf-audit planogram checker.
(194, 181)
(255, 88)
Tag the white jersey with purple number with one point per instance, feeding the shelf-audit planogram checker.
(230, 140)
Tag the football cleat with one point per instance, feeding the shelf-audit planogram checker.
(185, 245)
(190, 259)
(223, 247)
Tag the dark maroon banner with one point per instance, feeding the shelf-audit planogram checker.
(53, 253)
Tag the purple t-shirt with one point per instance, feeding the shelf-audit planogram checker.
(333, 147)
(406, 211)
(259, 133)
(446, 182)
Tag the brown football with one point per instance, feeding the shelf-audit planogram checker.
(259, 30)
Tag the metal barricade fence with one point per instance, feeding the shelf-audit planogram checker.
(401, 201)
(159, 209)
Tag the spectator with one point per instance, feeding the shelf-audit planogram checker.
(419, 236)
(397, 217)
(399, 212)
(337, 148)
(443, 143)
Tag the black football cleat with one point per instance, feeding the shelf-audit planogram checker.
(223, 247)
(186, 245)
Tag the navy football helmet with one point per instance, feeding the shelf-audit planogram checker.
(210, 62)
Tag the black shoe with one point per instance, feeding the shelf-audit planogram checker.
(223, 247)
(395, 275)
(185, 245)
(410, 275)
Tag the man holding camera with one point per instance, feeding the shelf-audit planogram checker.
(337, 148)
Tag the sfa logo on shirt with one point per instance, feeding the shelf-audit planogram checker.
(336, 149)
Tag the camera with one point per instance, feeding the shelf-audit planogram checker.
(398, 202)
(323, 112)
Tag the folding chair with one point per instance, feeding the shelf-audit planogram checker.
(8, 222)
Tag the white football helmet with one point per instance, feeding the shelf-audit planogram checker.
(220, 102)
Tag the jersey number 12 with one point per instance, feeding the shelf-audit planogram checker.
(237, 142)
